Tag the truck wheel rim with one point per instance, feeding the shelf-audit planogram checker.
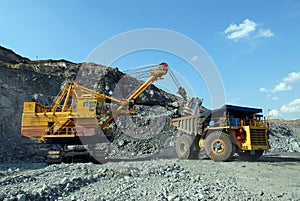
(218, 146)
(182, 147)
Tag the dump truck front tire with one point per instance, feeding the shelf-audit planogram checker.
(218, 146)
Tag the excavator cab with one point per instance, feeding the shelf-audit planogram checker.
(86, 106)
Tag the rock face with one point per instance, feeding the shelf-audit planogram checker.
(9, 57)
(24, 80)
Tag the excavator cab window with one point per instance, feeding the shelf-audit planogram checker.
(75, 104)
(92, 106)
(85, 104)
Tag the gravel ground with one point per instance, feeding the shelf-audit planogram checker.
(274, 177)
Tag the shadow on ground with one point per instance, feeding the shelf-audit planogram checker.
(281, 157)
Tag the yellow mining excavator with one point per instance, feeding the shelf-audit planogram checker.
(78, 115)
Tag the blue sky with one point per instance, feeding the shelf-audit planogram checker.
(255, 45)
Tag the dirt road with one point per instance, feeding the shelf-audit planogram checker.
(274, 177)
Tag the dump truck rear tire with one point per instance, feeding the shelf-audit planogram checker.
(183, 146)
(218, 146)
(248, 156)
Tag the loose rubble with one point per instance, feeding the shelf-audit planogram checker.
(285, 137)
(152, 179)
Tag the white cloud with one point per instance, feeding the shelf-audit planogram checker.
(263, 89)
(246, 29)
(274, 113)
(282, 86)
(264, 33)
(241, 30)
(285, 84)
(292, 77)
(291, 107)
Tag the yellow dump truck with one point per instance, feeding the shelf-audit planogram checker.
(222, 132)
